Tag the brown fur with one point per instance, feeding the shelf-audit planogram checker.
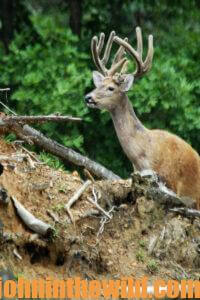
(175, 161)
(168, 155)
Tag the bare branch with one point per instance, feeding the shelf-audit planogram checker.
(38, 119)
(32, 136)
(75, 197)
(6, 89)
(98, 207)
(188, 212)
(8, 108)
(66, 153)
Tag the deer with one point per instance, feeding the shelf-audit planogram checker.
(175, 162)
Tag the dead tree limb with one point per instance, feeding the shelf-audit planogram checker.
(38, 119)
(34, 136)
(67, 153)
(187, 212)
(5, 89)
(75, 197)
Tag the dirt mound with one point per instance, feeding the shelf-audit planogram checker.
(142, 238)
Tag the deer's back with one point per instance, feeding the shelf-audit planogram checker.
(177, 163)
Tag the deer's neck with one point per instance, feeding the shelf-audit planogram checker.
(133, 136)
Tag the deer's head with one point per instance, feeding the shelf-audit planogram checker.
(113, 83)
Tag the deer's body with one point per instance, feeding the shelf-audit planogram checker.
(175, 161)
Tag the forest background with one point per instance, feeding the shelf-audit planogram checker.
(45, 60)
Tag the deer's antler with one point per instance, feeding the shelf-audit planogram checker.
(96, 48)
(142, 66)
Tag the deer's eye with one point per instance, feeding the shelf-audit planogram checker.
(110, 88)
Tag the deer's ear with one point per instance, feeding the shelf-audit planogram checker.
(97, 78)
(127, 83)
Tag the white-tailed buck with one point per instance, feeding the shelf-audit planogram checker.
(176, 163)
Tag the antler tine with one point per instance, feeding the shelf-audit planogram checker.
(124, 67)
(101, 42)
(131, 51)
(95, 55)
(139, 40)
(149, 58)
(108, 48)
(119, 61)
(96, 48)
(120, 52)
(118, 65)
(141, 67)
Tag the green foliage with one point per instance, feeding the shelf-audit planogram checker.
(140, 255)
(48, 74)
(152, 266)
(10, 138)
(49, 70)
(142, 243)
(51, 160)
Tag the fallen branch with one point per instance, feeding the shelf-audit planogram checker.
(5, 89)
(187, 212)
(31, 221)
(18, 158)
(33, 136)
(75, 197)
(68, 154)
(37, 119)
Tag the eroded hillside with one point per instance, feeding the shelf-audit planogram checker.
(141, 238)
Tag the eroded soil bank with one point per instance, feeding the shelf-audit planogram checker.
(141, 239)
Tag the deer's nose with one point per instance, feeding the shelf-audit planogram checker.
(88, 98)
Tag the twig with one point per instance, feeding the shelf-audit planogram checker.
(99, 207)
(88, 175)
(13, 157)
(96, 197)
(53, 216)
(39, 119)
(31, 154)
(103, 221)
(8, 108)
(188, 212)
(5, 89)
(18, 158)
(90, 213)
(30, 161)
(75, 197)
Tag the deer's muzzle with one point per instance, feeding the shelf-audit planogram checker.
(89, 100)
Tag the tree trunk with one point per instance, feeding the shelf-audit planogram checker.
(75, 7)
(6, 15)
